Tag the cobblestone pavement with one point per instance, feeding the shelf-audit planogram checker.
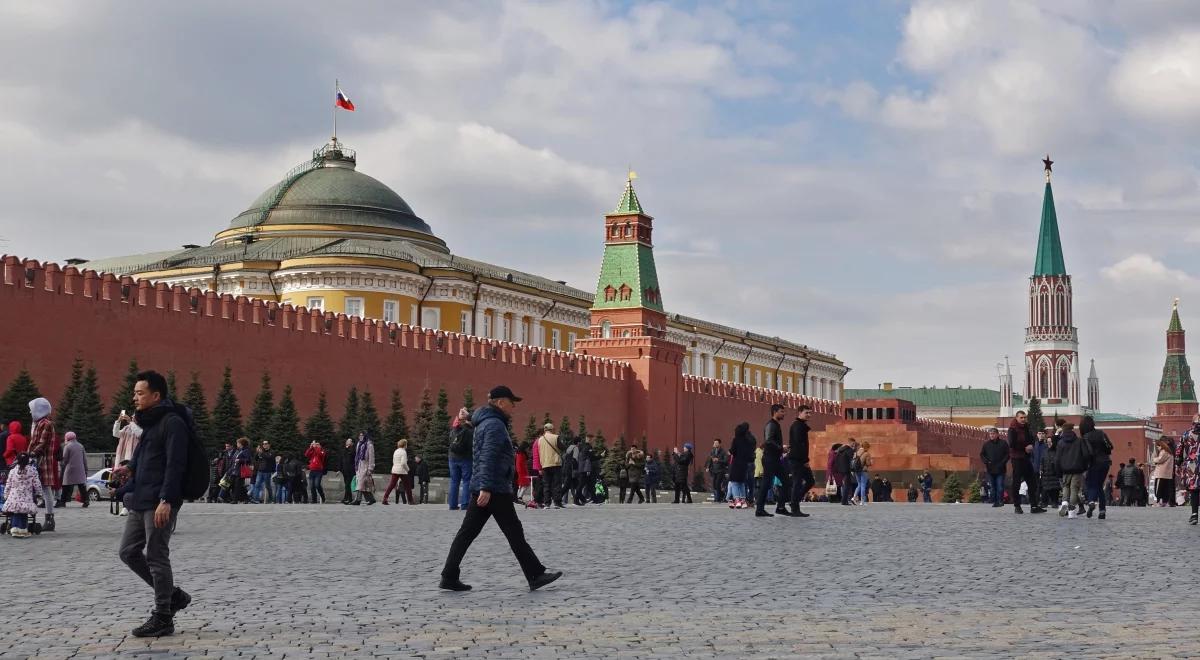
(693, 581)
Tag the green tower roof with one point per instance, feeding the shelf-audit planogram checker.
(1175, 326)
(1049, 250)
(1177, 385)
(629, 201)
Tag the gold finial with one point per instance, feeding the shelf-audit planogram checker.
(1175, 305)
(631, 175)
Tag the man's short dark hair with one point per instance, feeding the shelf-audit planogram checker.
(155, 382)
(804, 407)
(776, 407)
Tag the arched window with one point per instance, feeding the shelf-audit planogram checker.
(1064, 381)
(1045, 307)
(606, 329)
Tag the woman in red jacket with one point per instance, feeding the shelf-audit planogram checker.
(316, 469)
(522, 459)
(17, 443)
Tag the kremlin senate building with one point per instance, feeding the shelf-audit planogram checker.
(328, 237)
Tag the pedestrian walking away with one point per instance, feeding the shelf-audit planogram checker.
(798, 459)
(994, 454)
(74, 471)
(549, 451)
(153, 495)
(1074, 459)
(1094, 481)
(401, 480)
(491, 495)
(741, 453)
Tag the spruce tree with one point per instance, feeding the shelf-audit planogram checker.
(582, 428)
(952, 490)
(319, 426)
(172, 390)
(975, 492)
(531, 430)
(395, 426)
(1034, 419)
(437, 442)
(368, 420)
(87, 416)
(469, 400)
(564, 430)
(285, 426)
(546, 420)
(226, 422)
(14, 403)
(348, 427)
(615, 460)
(194, 399)
(64, 408)
(123, 398)
(263, 413)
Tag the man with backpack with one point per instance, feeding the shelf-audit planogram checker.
(167, 467)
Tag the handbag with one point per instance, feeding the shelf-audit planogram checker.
(224, 482)
(244, 472)
(831, 489)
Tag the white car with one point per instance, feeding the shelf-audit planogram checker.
(97, 486)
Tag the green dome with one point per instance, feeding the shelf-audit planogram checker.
(328, 191)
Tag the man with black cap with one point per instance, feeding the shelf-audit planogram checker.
(492, 472)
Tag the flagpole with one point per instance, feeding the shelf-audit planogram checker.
(335, 91)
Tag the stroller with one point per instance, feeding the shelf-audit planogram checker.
(31, 524)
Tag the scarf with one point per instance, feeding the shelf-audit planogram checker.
(360, 452)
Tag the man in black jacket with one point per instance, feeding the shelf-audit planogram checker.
(772, 453)
(797, 456)
(153, 496)
(994, 455)
(1021, 445)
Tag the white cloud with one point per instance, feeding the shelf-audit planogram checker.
(1160, 78)
(1140, 268)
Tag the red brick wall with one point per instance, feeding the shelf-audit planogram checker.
(52, 316)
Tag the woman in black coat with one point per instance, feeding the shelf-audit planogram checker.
(741, 452)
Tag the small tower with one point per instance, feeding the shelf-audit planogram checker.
(1006, 391)
(629, 324)
(1093, 403)
(1176, 391)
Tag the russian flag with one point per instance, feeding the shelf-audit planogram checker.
(342, 101)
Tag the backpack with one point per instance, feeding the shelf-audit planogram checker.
(195, 475)
(1107, 443)
(856, 464)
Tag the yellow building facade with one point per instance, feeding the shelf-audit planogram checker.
(332, 238)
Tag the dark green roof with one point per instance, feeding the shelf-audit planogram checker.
(1175, 325)
(1115, 417)
(1176, 385)
(628, 265)
(1049, 250)
(937, 397)
(629, 203)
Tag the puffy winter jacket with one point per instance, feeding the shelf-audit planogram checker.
(1074, 454)
(493, 465)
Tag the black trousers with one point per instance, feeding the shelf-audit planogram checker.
(550, 486)
(682, 492)
(424, 492)
(1127, 495)
(1022, 470)
(802, 482)
(652, 491)
(501, 508)
(635, 488)
(347, 477)
(770, 471)
(66, 494)
(1164, 491)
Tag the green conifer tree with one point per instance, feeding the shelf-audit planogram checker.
(469, 400)
(546, 420)
(952, 490)
(564, 430)
(615, 460)
(194, 398)
(263, 413)
(285, 426)
(348, 426)
(64, 408)
(437, 442)
(368, 420)
(226, 422)
(582, 428)
(319, 427)
(975, 492)
(87, 416)
(123, 397)
(1034, 419)
(14, 403)
(531, 430)
(395, 426)
(172, 390)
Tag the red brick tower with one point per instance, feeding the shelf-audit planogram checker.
(629, 324)
(1177, 391)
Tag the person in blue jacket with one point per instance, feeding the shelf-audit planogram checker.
(491, 495)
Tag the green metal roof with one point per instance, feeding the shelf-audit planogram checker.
(1175, 326)
(628, 265)
(937, 397)
(629, 201)
(1115, 417)
(1049, 250)
(1176, 385)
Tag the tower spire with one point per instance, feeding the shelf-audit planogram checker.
(1176, 391)
(1049, 259)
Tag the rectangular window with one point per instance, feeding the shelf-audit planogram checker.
(506, 328)
(570, 341)
(789, 383)
(316, 303)
(354, 307)
(391, 311)
(412, 315)
(525, 338)
(757, 378)
(556, 339)
(724, 371)
(464, 322)
(487, 325)
(540, 339)
(431, 317)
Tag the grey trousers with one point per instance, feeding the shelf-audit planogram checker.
(1072, 486)
(146, 550)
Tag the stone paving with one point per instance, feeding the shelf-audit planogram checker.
(642, 581)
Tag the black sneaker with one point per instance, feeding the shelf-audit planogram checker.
(1037, 509)
(1091, 508)
(544, 579)
(1101, 516)
(157, 625)
(453, 585)
(180, 600)
(797, 513)
(1018, 509)
(1192, 520)
(764, 514)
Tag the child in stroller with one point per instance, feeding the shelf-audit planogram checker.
(20, 508)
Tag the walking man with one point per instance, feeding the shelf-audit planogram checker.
(550, 457)
(772, 453)
(1020, 445)
(153, 496)
(491, 494)
(716, 465)
(797, 455)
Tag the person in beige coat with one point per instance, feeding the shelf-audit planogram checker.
(1164, 473)
(550, 459)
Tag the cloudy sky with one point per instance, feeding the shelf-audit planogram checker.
(861, 177)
